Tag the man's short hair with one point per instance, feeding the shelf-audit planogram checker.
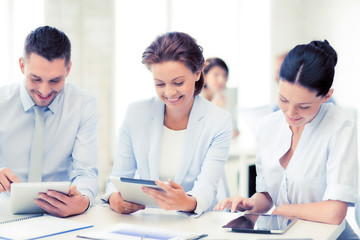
(48, 42)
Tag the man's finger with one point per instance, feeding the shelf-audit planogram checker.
(12, 177)
(58, 195)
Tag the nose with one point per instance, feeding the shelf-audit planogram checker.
(170, 91)
(44, 89)
(223, 79)
(291, 111)
(221, 82)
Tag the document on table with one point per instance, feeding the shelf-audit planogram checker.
(129, 232)
(38, 226)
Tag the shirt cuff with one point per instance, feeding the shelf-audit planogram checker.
(110, 189)
(261, 185)
(89, 195)
(201, 205)
(343, 193)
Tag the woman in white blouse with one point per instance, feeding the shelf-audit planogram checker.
(307, 152)
(176, 135)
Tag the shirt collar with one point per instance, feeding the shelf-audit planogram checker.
(28, 103)
(55, 104)
(315, 121)
(26, 100)
(319, 116)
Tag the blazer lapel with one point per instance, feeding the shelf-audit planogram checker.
(155, 130)
(193, 132)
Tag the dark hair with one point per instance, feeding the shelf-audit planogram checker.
(212, 62)
(310, 65)
(49, 43)
(176, 46)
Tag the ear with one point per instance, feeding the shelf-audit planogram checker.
(68, 69)
(22, 65)
(328, 95)
(198, 75)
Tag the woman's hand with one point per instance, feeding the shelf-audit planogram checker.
(174, 197)
(118, 204)
(235, 204)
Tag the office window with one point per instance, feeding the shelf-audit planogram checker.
(17, 18)
(221, 27)
(138, 22)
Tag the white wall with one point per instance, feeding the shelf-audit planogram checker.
(17, 18)
(90, 27)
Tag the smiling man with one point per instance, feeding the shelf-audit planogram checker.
(68, 116)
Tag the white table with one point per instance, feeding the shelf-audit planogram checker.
(101, 216)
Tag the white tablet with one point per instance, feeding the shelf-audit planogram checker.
(260, 223)
(130, 189)
(23, 195)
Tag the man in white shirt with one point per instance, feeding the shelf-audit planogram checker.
(69, 138)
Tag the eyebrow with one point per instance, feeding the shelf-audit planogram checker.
(35, 76)
(297, 103)
(171, 79)
(53, 79)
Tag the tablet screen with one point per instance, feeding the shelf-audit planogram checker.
(260, 223)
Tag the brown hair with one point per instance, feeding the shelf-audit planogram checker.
(176, 46)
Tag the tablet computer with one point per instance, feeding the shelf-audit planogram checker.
(260, 223)
(130, 189)
(23, 195)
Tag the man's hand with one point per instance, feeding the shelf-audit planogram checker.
(118, 204)
(6, 178)
(63, 205)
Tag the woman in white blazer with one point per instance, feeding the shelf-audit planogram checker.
(177, 136)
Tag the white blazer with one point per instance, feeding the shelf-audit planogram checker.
(206, 146)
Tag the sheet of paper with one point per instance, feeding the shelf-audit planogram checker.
(124, 231)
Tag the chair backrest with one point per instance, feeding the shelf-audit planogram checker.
(357, 212)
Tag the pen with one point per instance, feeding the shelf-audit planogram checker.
(198, 237)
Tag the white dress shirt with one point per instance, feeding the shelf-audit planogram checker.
(70, 136)
(323, 166)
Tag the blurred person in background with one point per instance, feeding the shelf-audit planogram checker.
(216, 74)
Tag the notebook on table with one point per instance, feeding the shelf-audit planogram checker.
(38, 226)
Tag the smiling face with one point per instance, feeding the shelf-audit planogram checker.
(44, 79)
(299, 105)
(175, 85)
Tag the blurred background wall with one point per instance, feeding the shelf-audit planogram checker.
(109, 36)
